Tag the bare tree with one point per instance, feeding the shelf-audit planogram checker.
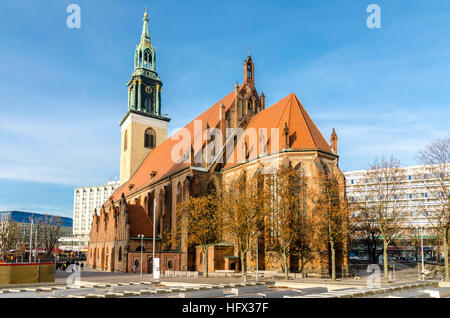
(366, 228)
(330, 215)
(436, 158)
(49, 231)
(242, 214)
(380, 197)
(201, 218)
(9, 235)
(288, 221)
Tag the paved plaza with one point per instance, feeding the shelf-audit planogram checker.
(99, 284)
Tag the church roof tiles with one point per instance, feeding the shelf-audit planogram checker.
(303, 135)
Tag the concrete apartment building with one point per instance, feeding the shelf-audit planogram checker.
(421, 196)
(85, 201)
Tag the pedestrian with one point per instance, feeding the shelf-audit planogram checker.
(133, 268)
(82, 265)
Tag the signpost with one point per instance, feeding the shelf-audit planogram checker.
(156, 268)
(31, 239)
(155, 260)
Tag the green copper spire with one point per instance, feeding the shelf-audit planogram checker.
(145, 56)
(144, 88)
(145, 33)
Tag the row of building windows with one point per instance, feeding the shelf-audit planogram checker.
(79, 192)
(410, 196)
(409, 177)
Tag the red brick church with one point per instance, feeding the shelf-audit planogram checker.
(149, 174)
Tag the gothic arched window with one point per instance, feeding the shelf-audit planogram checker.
(150, 138)
(249, 71)
(120, 254)
(179, 193)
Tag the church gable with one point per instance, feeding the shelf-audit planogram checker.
(283, 126)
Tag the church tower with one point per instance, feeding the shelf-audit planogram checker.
(143, 127)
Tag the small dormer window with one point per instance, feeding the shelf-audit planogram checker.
(130, 187)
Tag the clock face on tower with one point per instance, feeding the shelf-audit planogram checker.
(148, 89)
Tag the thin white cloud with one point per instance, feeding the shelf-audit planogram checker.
(72, 151)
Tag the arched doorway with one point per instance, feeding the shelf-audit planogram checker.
(136, 265)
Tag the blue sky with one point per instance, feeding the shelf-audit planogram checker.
(63, 91)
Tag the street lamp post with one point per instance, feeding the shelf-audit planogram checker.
(423, 261)
(141, 236)
(31, 240)
(257, 252)
(154, 233)
(35, 243)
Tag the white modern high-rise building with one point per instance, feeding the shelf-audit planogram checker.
(85, 201)
(420, 197)
(421, 192)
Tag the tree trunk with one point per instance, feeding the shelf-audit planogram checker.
(243, 269)
(445, 241)
(374, 252)
(302, 266)
(206, 261)
(385, 261)
(369, 252)
(286, 271)
(333, 261)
